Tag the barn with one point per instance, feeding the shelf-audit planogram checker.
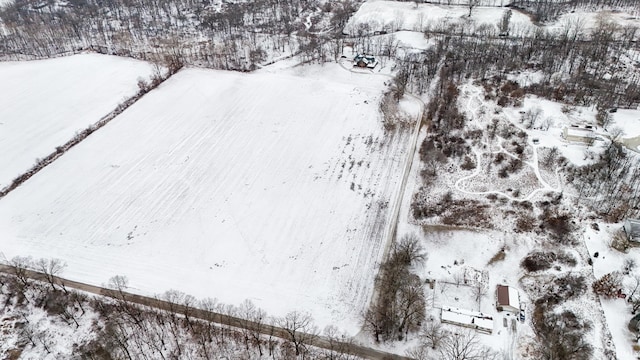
(508, 299)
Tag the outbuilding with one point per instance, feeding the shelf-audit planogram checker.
(467, 318)
(578, 135)
(632, 230)
(508, 299)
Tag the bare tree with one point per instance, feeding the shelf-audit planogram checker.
(338, 344)
(465, 346)
(300, 328)
(409, 251)
(505, 22)
(411, 305)
(432, 334)
(472, 4)
(51, 268)
(372, 323)
(636, 279)
(419, 352)
(118, 283)
(480, 290)
(21, 266)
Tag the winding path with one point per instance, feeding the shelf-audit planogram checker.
(533, 163)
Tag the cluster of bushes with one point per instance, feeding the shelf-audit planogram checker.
(511, 167)
(608, 285)
(560, 334)
(544, 260)
(460, 212)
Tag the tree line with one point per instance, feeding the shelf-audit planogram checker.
(121, 328)
(234, 36)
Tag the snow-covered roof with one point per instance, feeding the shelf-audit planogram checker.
(472, 319)
(508, 296)
(579, 132)
(632, 228)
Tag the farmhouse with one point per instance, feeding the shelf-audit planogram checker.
(579, 135)
(365, 61)
(632, 230)
(508, 299)
(467, 318)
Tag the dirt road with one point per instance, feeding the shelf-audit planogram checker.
(218, 318)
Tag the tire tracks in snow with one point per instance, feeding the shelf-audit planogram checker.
(389, 235)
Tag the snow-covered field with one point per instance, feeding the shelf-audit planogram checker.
(45, 103)
(588, 20)
(377, 15)
(392, 16)
(628, 120)
(271, 187)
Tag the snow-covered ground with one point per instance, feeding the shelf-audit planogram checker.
(628, 120)
(452, 251)
(412, 41)
(553, 117)
(586, 21)
(45, 103)
(392, 16)
(271, 187)
(617, 311)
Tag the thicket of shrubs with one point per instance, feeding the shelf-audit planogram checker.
(544, 260)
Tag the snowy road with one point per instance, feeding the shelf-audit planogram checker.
(215, 317)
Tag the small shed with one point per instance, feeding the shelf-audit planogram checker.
(632, 230)
(578, 135)
(508, 299)
(365, 61)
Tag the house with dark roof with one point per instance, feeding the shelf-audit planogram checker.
(508, 299)
(365, 61)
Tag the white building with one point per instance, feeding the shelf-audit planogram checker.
(632, 230)
(579, 135)
(467, 318)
